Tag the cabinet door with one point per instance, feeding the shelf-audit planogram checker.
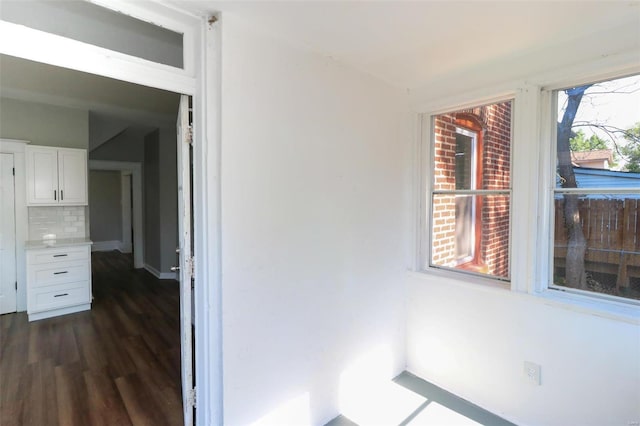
(42, 175)
(72, 176)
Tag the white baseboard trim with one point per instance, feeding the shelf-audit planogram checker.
(106, 245)
(62, 311)
(125, 247)
(160, 275)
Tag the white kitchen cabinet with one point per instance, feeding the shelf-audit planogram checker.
(56, 176)
(58, 279)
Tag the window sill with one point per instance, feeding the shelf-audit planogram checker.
(462, 278)
(590, 305)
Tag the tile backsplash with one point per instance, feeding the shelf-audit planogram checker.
(63, 222)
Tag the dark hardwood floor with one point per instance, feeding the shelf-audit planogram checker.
(118, 364)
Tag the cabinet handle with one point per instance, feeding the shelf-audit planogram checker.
(61, 195)
(54, 195)
(62, 272)
(60, 295)
(60, 255)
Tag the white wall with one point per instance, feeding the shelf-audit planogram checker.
(43, 124)
(472, 339)
(126, 146)
(105, 207)
(315, 166)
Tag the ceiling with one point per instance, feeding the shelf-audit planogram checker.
(37, 82)
(407, 44)
(410, 43)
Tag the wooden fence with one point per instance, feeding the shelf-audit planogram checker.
(612, 230)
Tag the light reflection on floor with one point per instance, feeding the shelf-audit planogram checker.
(436, 414)
(411, 401)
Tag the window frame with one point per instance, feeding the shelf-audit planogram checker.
(426, 155)
(473, 135)
(547, 207)
(531, 158)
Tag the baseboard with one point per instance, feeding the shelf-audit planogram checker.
(160, 275)
(61, 311)
(105, 245)
(125, 247)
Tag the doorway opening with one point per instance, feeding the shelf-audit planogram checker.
(135, 142)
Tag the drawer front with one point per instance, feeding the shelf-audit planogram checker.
(63, 254)
(58, 273)
(60, 296)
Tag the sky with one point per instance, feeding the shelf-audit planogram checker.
(615, 103)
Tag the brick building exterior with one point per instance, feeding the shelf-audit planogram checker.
(472, 151)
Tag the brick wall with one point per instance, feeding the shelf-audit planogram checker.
(444, 219)
(493, 124)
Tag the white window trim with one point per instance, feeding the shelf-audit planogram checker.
(474, 172)
(543, 284)
(532, 165)
(425, 155)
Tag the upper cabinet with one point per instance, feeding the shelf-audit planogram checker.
(56, 176)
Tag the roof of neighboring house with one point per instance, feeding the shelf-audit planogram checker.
(607, 175)
(598, 154)
(598, 178)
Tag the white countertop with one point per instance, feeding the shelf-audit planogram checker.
(61, 242)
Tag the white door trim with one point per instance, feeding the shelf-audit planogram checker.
(136, 186)
(16, 147)
(28, 43)
(207, 228)
(184, 273)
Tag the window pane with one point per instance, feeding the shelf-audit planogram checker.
(596, 238)
(471, 232)
(93, 24)
(472, 148)
(465, 160)
(610, 244)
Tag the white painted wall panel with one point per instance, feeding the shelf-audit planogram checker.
(473, 341)
(314, 227)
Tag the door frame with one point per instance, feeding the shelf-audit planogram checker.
(16, 147)
(135, 170)
(203, 82)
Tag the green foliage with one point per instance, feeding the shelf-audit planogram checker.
(631, 150)
(579, 142)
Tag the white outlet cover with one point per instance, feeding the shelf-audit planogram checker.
(533, 372)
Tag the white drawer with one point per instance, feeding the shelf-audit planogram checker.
(58, 273)
(60, 296)
(55, 255)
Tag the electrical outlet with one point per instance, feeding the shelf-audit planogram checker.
(532, 372)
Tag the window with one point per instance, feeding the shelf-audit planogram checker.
(465, 178)
(596, 199)
(470, 190)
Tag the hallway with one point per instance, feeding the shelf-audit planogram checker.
(117, 364)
